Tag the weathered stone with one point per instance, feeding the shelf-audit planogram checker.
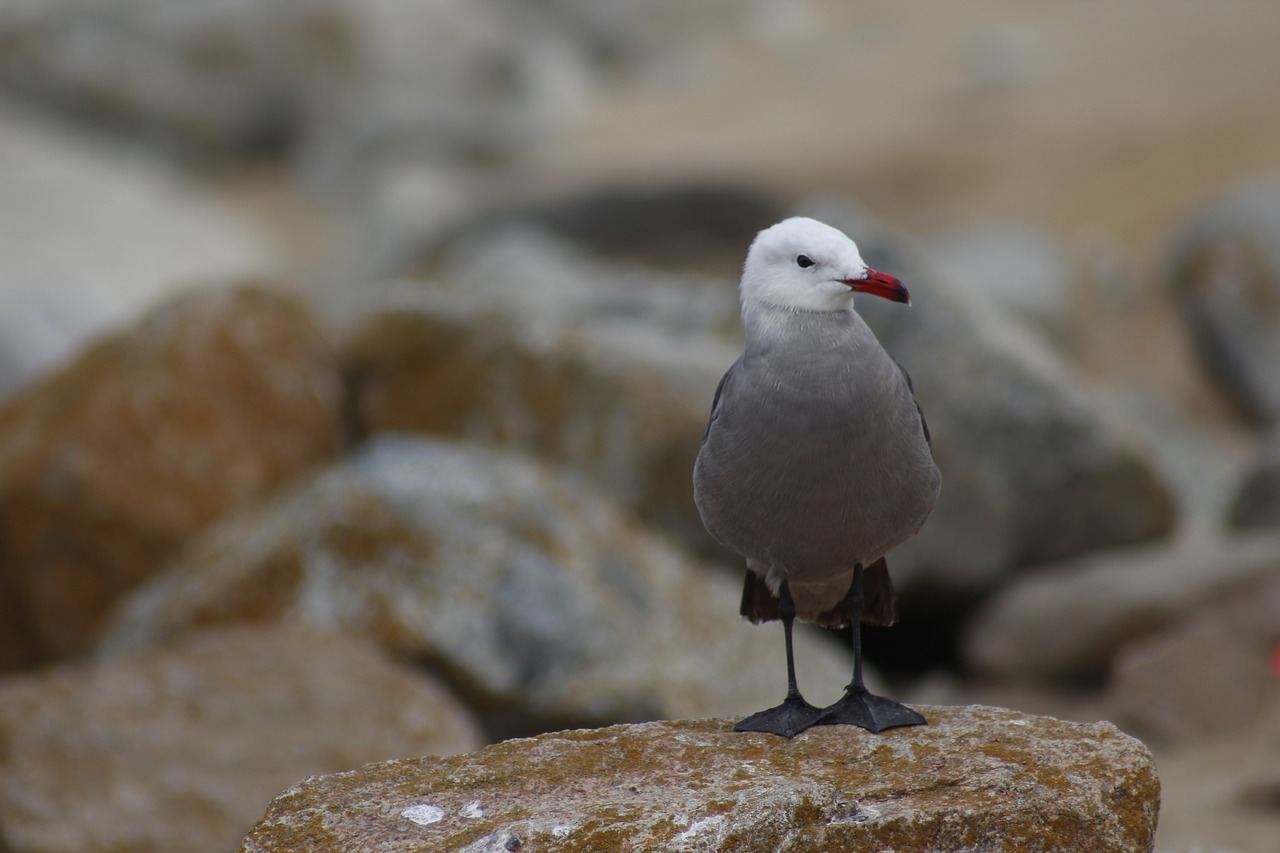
(542, 603)
(978, 779)
(180, 748)
(140, 232)
(1204, 675)
(1067, 622)
(610, 374)
(1223, 274)
(111, 463)
(1256, 504)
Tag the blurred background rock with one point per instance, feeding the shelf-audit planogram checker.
(387, 330)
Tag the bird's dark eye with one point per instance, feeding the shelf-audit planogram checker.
(804, 261)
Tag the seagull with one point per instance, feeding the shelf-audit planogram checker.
(816, 461)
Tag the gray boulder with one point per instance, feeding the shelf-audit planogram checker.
(1223, 273)
(524, 586)
(977, 779)
(1068, 622)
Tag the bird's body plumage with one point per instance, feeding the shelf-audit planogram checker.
(815, 457)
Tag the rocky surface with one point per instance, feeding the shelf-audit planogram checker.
(1224, 276)
(1256, 503)
(1206, 674)
(179, 748)
(976, 778)
(111, 463)
(539, 600)
(1068, 621)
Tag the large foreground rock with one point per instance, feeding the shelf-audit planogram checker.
(978, 779)
(1224, 277)
(1067, 622)
(178, 749)
(211, 402)
(542, 603)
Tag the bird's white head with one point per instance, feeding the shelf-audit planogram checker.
(802, 264)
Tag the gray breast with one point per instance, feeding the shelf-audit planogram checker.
(815, 456)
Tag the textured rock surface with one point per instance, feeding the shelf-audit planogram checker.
(109, 464)
(1224, 277)
(541, 602)
(1068, 622)
(1207, 674)
(979, 779)
(1256, 503)
(179, 749)
(605, 373)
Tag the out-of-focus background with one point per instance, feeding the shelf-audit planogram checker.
(355, 356)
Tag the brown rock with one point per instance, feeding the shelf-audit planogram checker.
(1068, 622)
(543, 604)
(111, 463)
(625, 406)
(1205, 675)
(977, 778)
(181, 748)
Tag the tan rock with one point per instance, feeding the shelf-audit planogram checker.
(543, 603)
(1205, 675)
(111, 463)
(1067, 622)
(977, 778)
(181, 748)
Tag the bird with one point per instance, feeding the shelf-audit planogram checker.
(816, 460)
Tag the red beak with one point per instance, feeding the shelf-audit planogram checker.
(879, 284)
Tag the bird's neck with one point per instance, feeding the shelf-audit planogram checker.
(764, 325)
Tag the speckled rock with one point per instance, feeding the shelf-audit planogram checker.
(978, 779)
(1068, 621)
(1223, 273)
(533, 594)
(608, 371)
(111, 463)
(180, 748)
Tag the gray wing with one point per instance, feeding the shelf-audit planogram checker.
(924, 425)
(715, 401)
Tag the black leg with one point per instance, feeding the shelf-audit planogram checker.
(858, 707)
(794, 715)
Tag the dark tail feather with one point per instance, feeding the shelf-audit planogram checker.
(879, 602)
(758, 604)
